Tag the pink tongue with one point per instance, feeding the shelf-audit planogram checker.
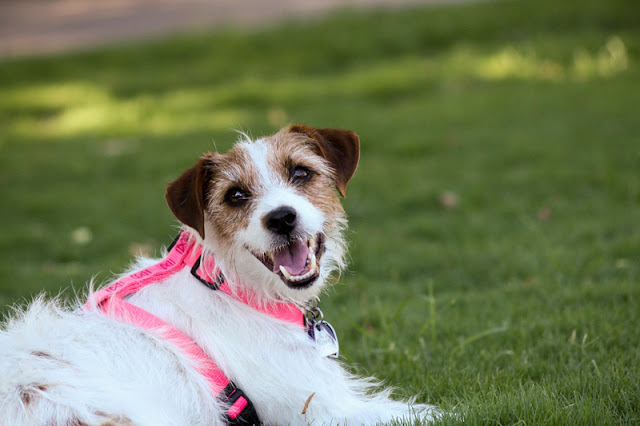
(293, 257)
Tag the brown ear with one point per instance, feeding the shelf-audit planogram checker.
(186, 196)
(341, 148)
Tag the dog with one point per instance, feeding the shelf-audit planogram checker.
(269, 226)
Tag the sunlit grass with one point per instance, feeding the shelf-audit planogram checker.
(72, 109)
(511, 62)
(82, 108)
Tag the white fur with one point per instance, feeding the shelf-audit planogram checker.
(275, 193)
(96, 370)
(259, 152)
(77, 367)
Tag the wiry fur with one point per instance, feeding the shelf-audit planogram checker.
(64, 368)
(82, 367)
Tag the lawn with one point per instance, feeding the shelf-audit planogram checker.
(495, 215)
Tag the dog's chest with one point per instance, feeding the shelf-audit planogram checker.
(275, 363)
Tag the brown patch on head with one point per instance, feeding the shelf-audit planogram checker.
(341, 148)
(200, 192)
(290, 150)
(235, 173)
(186, 196)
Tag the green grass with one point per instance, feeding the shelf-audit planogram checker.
(519, 305)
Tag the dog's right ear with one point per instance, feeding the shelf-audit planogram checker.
(187, 195)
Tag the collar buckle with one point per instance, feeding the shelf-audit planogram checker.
(215, 285)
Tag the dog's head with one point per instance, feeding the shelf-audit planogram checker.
(268, 209)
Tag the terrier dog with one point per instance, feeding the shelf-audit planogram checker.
(223, 329)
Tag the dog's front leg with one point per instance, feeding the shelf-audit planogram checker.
(347, 399)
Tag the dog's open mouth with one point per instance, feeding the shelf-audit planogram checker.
(297, 263)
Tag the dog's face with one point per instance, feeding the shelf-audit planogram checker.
(269, 211)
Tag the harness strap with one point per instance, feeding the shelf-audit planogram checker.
(183, 252)
(132, 314)
(287, 312)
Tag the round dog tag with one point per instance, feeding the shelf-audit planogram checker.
(326, 339)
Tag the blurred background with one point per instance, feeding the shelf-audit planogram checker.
(494, 218)
(44, 26)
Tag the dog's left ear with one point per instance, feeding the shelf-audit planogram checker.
(341, 148)
(187, 195)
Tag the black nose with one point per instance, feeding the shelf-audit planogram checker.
(281, 220)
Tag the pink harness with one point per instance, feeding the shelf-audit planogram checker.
(184, 252)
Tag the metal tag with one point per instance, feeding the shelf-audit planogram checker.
(326, 339)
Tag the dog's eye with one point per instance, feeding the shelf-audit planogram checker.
(300, 174)
(236, 197)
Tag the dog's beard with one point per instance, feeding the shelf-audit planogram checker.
(244, 270)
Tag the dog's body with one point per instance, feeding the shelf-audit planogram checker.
(268, 212)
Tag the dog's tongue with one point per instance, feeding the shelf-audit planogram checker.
(293, 257)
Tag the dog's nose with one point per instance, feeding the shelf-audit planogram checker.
(281, 220)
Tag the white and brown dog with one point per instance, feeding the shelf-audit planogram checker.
(267, 211)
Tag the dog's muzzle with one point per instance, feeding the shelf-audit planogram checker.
(297, 259)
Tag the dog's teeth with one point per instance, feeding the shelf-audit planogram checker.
(286, 273)
(310, 273)
(311, 265)
(311, 257)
